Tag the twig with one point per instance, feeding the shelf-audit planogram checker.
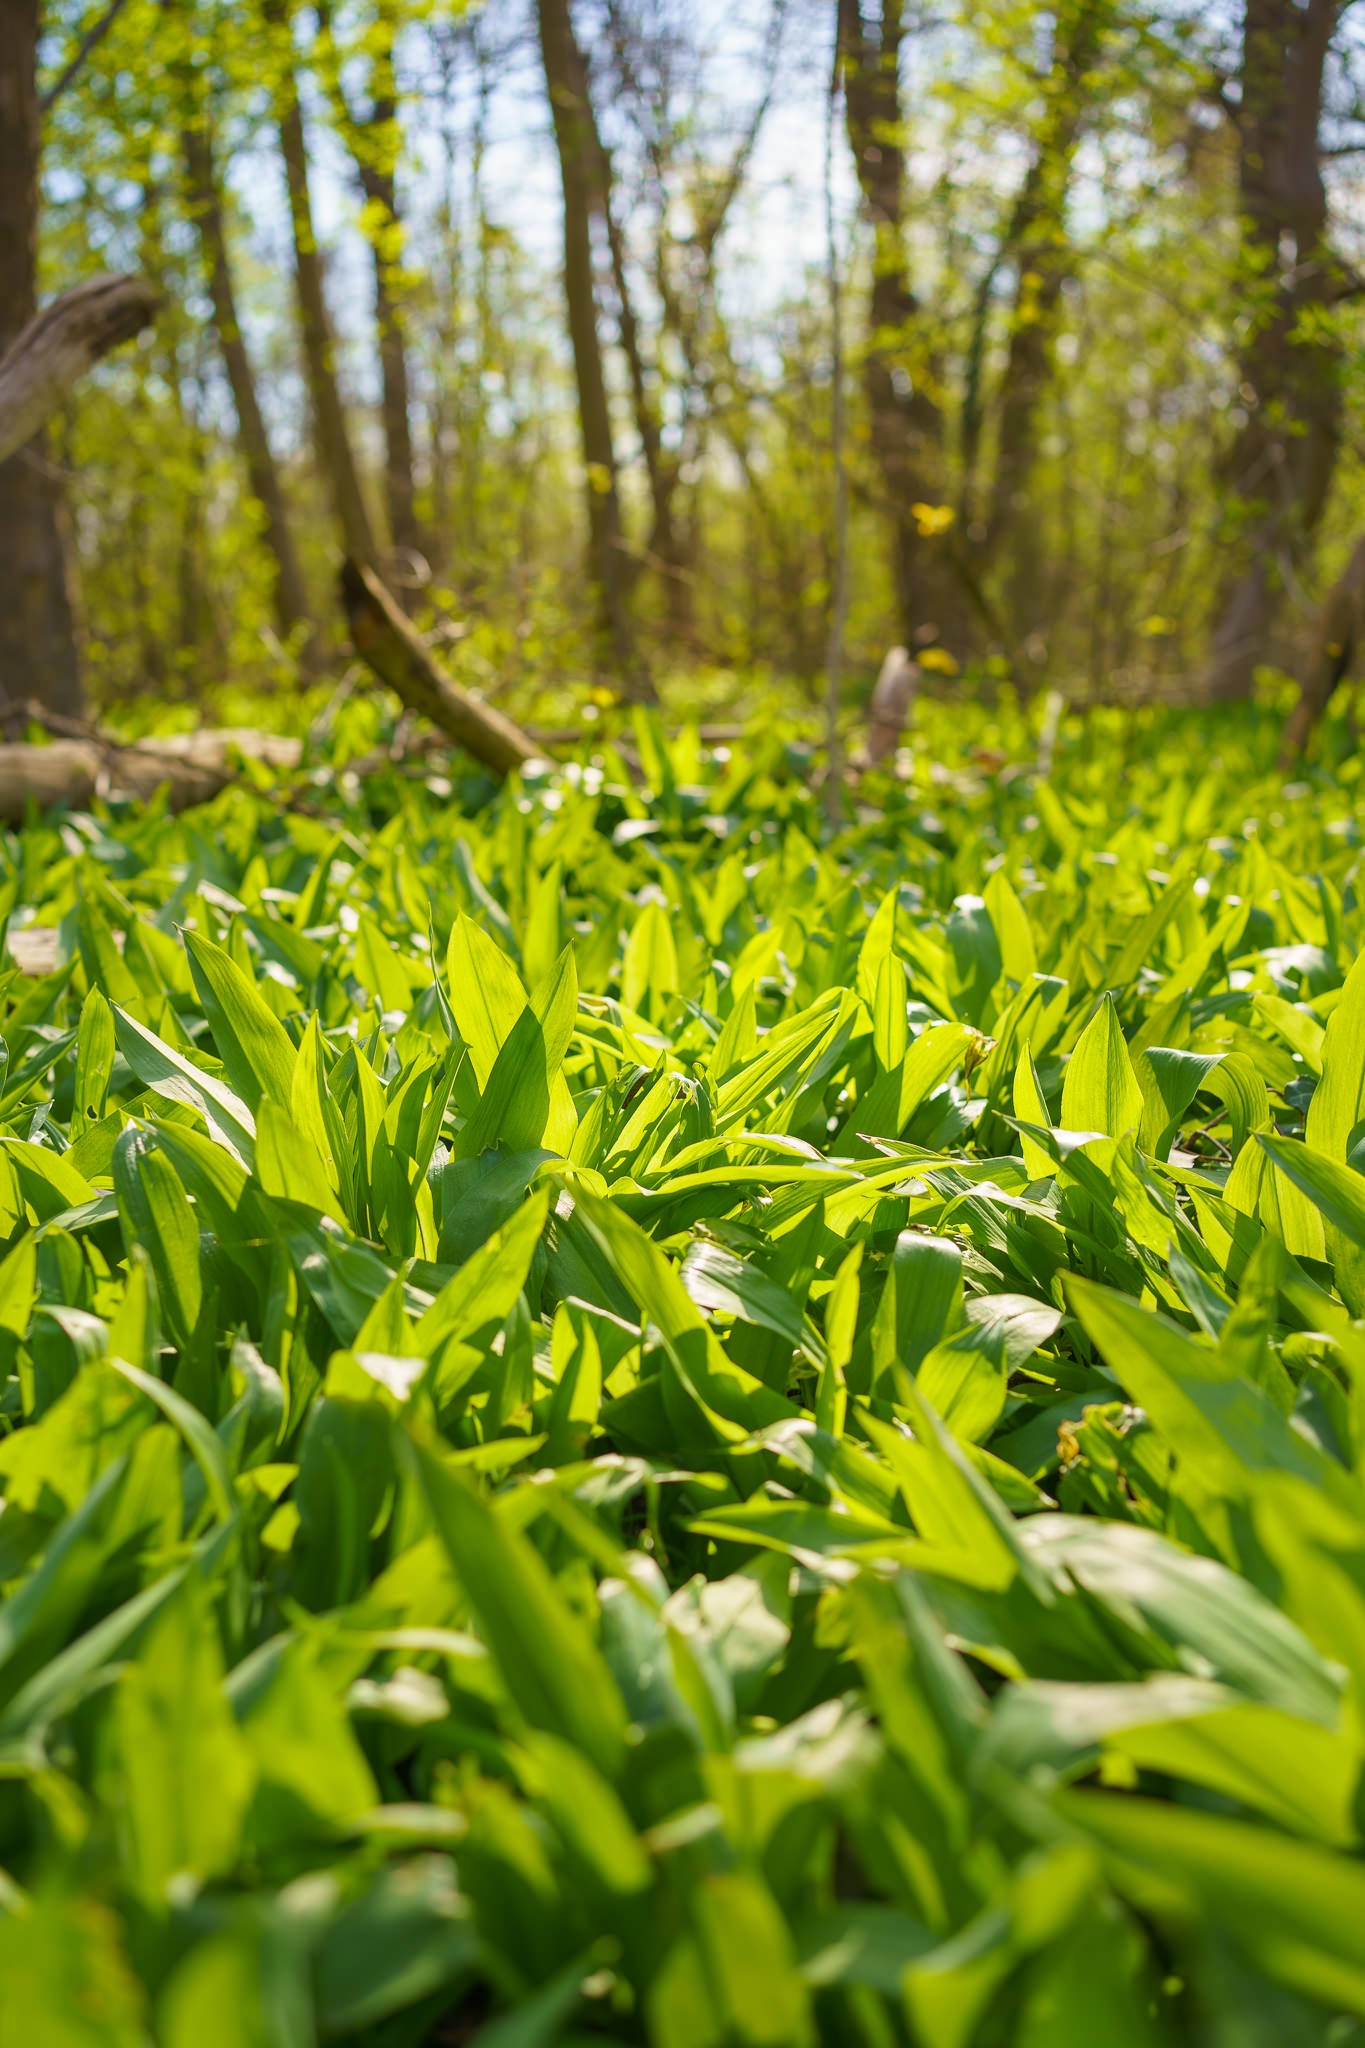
(90, 41)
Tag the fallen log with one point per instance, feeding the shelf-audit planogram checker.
(48, 358)
(79, 764)
(74, 772)
(388, 642)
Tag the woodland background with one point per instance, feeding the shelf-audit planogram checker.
(1027, 337)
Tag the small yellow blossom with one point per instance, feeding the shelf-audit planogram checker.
(937, 658)
(931, 519)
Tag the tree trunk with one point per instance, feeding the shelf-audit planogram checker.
(205, 197)
(1334, 654)
(905, 423)
(566, 80)
(1280, 465)
(38, 653)
(373, 140)
(399, 487)
(661, 470)
(1036, 243)
(336, 456)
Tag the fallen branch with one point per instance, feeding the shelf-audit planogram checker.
(388, 642)
(51, 355)
(74, 771)
(81, 764)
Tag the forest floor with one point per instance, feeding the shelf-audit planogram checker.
(634, 1415)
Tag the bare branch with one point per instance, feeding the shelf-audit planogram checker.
(89, 42)
(60, 344)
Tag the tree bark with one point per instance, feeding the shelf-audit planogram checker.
(1036, 243)
(336, 456)
(1280, 465)
(263, 476)
(1333, 656)
(38, 652)
(905, 420)
(566, 80)
(399, 486)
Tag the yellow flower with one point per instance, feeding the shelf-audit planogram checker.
(937, 658)
(931, 519)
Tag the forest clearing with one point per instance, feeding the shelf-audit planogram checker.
(682, 1025)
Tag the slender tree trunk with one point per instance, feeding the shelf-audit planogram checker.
(661, 472)
(838, 611)
(470, 405)
(684, 277)
(194, 613)
(566, 80)
(1036, 243)
(336, 456)
(905, 421)
(205, 196)
(373, 140)
(447, 271)
(400, 490)
(1280, 465)
(38, 651)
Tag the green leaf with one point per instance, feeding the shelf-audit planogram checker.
(1101, 1090)
(1338, 1193)
(486, 995)
(1030, 1108)
(552, 1668)
(1013, 931)
(157, 1215)
(1020, 1323)
(649, 972)
(175, 1079)
(515, 1107)
(921, 1303)
(964, 1379)
(252, 1043)
(406, 1936)
(94, 1058)
(1226, 1428)
(1298, 1910)
(182, 1774)
(1216, 1622)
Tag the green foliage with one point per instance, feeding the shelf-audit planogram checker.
(629, 1420)
(1138, 388)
